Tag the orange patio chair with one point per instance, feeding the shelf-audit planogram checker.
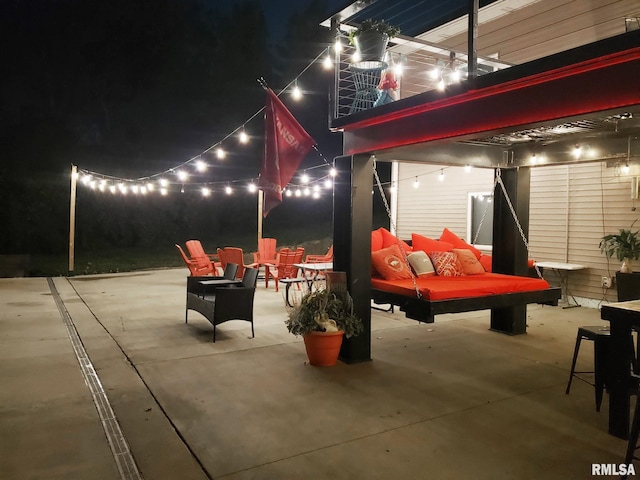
(196, 268)
(233, 255)
(283, 268)
(204, 260)
(328, 257)
(266, 252)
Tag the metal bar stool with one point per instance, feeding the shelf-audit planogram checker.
(600, 336)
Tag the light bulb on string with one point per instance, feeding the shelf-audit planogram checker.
(252, 187)
(92, 184)
(298, 192)
(112, 188)
(201, 165)
(228, 190)
(392, 188)
(577, 151)
(467, 168)
(333, 172)
(441, 85)
(416, 183)
(338, 45)
(328, 183)
(86, 179)
(182, 175)
(434, 73)
(206, 191)
(441, 177)
(316, 188)
(307, 192)
(288, 192)
(163, 182)
(220, 153)
(244, 138)
(135, 189)
(296, 93)
(150, 187)
(625, 169)
(304, 178)
(143, 190)
(316, 195)
(327, 63)
(163, 191)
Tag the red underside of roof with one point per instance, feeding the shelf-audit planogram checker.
(601, 84)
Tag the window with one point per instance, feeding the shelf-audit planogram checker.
(480, 219)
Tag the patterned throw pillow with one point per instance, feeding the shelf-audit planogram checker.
(390, 263)
(421, 264)
(446, 264)
(468, 261)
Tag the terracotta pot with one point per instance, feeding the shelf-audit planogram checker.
(323, 348)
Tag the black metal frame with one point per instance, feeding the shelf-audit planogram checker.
(425, 310)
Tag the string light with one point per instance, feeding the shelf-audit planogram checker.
(625, 169)
(416, 184)
(228, 190)
(304, 178)
(206, 191)
(467, 168)
(327, 63)
(296, 93)
(441, 177)
(148, 184)
(201, 165)
(577, 151)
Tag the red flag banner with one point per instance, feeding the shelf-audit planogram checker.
(286, 144)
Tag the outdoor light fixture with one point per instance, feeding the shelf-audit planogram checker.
(441, 85)
(328, 183)
(467, 168)
(86, 179)
(577, 151)
(182, 175)
(135, 189)
(143, 190)
(392, 188)
(220, 153)
(625, 169)
(533, 159)
(206, 192)
(416, 184)
(288, 193)
(244, 138)
(333, 172)
(316, 195)
(163, 182)
(298, 192)
(163, 191)
(441, 177)
(150, 187)
(112, 188)
(228, 190)
(304, 178)
(252, 187)
(307, 192)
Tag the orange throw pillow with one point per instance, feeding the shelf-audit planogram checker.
(376, 240)
(389, 239)
(446, 264)
(468, 261)
(450, 237)
(486, 261)
(428, 245)
(390, 263)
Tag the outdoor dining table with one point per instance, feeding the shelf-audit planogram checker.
(312, 271)
(622, 316)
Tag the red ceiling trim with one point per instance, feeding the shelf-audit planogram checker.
(599, 84)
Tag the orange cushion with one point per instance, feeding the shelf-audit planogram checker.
(468, 261)
(446, 264)
(389, 239)
(376, 240)
(429, 245)
(450, 237)
(390, 263)
(486, 261)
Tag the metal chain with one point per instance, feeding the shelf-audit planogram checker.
(484, 214)
(515, 218)
(393, 226)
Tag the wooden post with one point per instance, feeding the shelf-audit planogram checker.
(72, 217)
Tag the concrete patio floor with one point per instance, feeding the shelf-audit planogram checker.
(449, 400)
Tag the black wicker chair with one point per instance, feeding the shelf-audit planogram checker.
(224, 303)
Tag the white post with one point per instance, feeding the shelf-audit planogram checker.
(72, 217)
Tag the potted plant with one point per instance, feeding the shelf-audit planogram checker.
(371, 39)
(322, 317)
(625, 245)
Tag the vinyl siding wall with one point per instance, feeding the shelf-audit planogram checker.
(571, 208)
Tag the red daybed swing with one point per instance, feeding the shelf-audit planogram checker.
(423, 297)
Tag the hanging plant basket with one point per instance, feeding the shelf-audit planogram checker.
(323, 348)
(371, 46)
(371, 40)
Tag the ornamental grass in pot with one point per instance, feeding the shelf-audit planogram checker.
(322, 317)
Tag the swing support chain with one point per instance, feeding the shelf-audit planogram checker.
(393, 226)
